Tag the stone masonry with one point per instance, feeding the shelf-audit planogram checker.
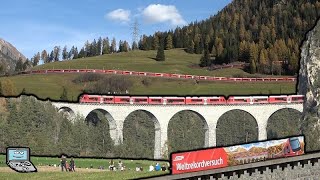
(161, 115)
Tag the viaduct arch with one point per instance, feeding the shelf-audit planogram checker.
(162, 114)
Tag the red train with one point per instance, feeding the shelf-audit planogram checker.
(151, 74)
(214, 100)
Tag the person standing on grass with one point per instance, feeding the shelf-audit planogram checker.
(63, 163)
(72, 165)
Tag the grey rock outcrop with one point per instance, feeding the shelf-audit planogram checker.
(309, 75)
(9, 56)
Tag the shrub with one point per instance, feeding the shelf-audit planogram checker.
(111, 84)
(88, 77)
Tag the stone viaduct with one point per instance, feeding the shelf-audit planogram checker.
(161, 115)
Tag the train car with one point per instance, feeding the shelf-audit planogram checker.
(90, 99)
(195, 100)
(107, 99)
(175, 100)
(216, 100)
(296, 98)
(135, 73)
(71, 70)
(99, 71)
(235, 79)
(127, 72)
(158, 74)
(142, 74)
(166, 75)
(239, 100)
(175, 75)
(260, 100)
(292, 79)
(122, 100)
(189, 76)
(118, 72)
(156, 100)
(139, 100)
(151, 74)
(110, 71)
(204, 77)
(247, 79)
(221, 157)
(278, 99)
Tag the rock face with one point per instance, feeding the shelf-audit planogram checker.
(9, 56)
(309, 75)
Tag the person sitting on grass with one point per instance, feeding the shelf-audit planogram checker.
(158, 167)
(151, 168)
(163, 167)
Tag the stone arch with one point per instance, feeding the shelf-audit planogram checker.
(156, 130)
(236, 128)
(284, 122)
(68, 112)
(203, 122)
(112, 124)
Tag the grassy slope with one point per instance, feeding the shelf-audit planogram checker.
(50, 86)
(84, 163)
(177, 61)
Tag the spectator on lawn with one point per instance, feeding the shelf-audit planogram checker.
(163, 167)
(151, 168)
(72, 165)
(63, 162)
(158, 167)
(111, 166)
(120, 164)
(137, 169)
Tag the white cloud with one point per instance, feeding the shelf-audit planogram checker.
(119, 15)
(158, 13)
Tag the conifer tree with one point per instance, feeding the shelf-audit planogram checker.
(169, 44)
(160, 53)
(64, 95)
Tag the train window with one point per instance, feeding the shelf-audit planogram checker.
(108, 99)
(140, 100)
(196, 100)
(156, 100)
(175, 100)
(126, 100)
(93, 98)
(212, 100)
(281, 99)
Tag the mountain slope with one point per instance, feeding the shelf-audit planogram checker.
(9, 56)
(264, 33)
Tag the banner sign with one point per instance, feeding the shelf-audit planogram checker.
(235, 155)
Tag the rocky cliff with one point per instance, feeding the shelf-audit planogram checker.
(9, 55)
(309, 85)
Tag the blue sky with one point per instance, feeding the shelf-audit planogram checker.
(34, 25)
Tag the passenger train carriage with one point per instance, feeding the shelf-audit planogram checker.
(213, 100)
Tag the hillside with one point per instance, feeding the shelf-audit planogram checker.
(51, 86)
(264, 33)
(9, 56)
(177, 61)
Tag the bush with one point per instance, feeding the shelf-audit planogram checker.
(110, 84)
(146, 82)
(88, 77)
